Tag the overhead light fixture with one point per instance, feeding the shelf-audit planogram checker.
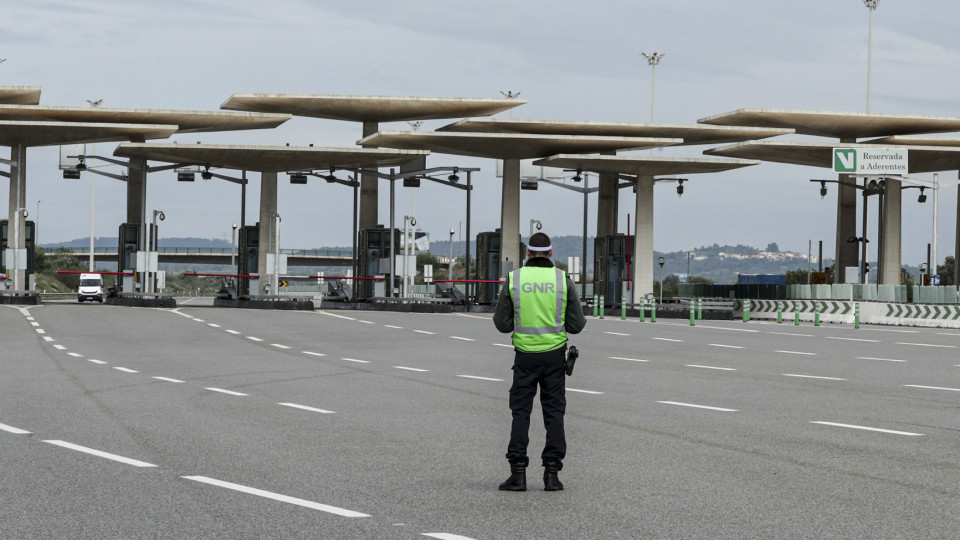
(411, 181)
(679, 188)
(453, 177)
(330, 178)
(297, 178)
(185, 176)
(531, 185)
(206, 174)
(923, 196)
(823, 189)
(71, 174)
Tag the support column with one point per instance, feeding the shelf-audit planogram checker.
(890, 240)
(268, 207)
(16, 223)
(607, 210)
(643, 241)
(956, 246)
(369, 198)
(510, 256)
(136, 189)
(846, 252)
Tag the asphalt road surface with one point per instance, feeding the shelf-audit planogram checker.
(201, 422)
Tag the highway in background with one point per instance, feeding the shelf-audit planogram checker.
(210, 422)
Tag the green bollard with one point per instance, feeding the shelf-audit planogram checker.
(856, 316)
(816, 313)
(623, 311)
(692, 323)
(643, 307)
(595, 305)
(746, 311)
(699, 309)
(653, 310)
(796, 313)
(602, 307)
(779, 312)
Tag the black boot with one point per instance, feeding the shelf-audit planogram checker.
(518, 478)
(550, 480)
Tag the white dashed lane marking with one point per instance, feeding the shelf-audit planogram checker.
(594, 392)
(305, 408)
(222, 391)
(311, 353)
(392, 326)
(355, 360)
(15, 431)
(668, 339)
(126, 370)
(725, 346)
(813, 377)
(276, 496)
(75, 355)
(462, 338)
(926, 345)
(879, 359)
(617, 334)
(59, 347)
(932, 387)
(168, 379)
(797, 352)
(96, 361)
(234, 332)
(99, 453)
(412, 369)
(279, 346)
(710, 367)
(480, 378)
(855, 339)
(695, 406)
(627, 359)
(251, 338)
(867, 428)
(425, 332)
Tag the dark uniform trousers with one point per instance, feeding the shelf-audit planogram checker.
(543, 369)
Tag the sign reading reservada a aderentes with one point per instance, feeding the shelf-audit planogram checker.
(877, 161)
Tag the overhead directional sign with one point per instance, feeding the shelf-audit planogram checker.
(868, 161)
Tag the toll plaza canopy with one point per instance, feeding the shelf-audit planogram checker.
(840, 125)
(690, 134)
(28, 133)
(922, 159)
(268, 158)
(916, 140)
(20, 95)
(507, 145)
(370, 108)
(642, 165)
(186, 121)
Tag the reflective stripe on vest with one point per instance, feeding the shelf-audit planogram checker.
(542, 323)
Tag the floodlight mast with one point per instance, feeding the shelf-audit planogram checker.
(654, 61)
(871, 7)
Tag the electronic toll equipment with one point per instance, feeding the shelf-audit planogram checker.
(248, 256)
(30, 245)
(373, 252)
(128, 244)
(610, 267)
(488, 265)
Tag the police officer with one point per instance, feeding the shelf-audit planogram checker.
(539, 304)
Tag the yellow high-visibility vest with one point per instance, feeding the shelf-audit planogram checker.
(539, 303)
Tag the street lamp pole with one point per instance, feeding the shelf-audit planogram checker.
(653, 60)
(450, 268)
(661, 261)
(233, 245)
(871, 7)
(93, 191)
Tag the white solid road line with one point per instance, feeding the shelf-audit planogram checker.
(304, 407)
(222, 391)
(168, 379)
(584, 391)
(865, 428)
(725, 346)
(412, 369)
(926, 345)
(480, 378)
(125, 370)
(276, 496)
(627, 359)
(11, 429)
(813, 377)
(355, 360)
(797, 352)
(932, 387)
(721, 409)
(102, 454)
(855, 339)
(447, 536)
(711, 367)
(879, 359)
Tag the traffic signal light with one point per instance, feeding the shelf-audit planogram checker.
(866, 268)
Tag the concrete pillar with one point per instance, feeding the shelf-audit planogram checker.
(16, 223)
(136, 189)
(846, 252)
(607, 211)
(956, 246)
(510, 256)
(888, 257)
(643, 275)
(369, 199)
(268, 207)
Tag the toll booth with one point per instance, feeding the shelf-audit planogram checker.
(248, 258)
(610, 269)
(373, 252)
(128, 245)
(488, 265)
(30, 234)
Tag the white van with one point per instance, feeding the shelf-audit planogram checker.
(91, 288)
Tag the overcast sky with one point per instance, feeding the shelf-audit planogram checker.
(571, 60)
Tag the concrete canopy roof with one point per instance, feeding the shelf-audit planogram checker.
(916, 140)
(20, 95)
(55, 133)
(506, 145)
(922, 159)
(187, 121)
(690, 133)
(268, 158)
(838, 125)
(642, 165)
(370, 108)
